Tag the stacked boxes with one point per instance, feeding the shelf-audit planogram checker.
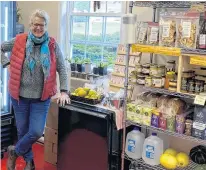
(51, 135)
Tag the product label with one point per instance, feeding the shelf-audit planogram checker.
(150, 152)
(199, 126)
(154, 34)
(131, 145)
(200, 100)
(202, 40)
(142, 34)
(166, 30)
(186, 29)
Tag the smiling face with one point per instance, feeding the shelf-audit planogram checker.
(38, 27)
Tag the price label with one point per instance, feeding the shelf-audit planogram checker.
(198, 60)
(200, 100)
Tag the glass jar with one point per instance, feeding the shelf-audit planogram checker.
(161, 70)
(148, 81)
(191, 86)
(141, 79)
(153, 70)
(146, 68)
(138, 68)
(170, 66)
(157, 81)
(202, 83)
(197, 86)
(169, 76)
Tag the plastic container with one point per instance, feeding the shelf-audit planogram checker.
(134, 143)
(152, 150)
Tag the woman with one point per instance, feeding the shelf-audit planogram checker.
(35, 58)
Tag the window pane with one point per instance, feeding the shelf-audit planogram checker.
(78, 51)
(102, 8)
(79, 27)
(113, 29)
(81, 6)
(94, 52)
(114, 7)
(109, 54)
(95, 28)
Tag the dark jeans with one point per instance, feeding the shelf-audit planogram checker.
(30, 115)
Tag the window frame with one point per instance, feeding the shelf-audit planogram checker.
(69, 28)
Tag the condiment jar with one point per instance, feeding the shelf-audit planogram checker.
(138, 68)
(191, 86)
(157, 81)
(197, 86)
(170, 65)
(169, 76)
(161, 70)
(148, 81)
(141, 79)
(153, 70)
(146, 68)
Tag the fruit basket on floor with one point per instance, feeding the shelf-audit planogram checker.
(86, 95)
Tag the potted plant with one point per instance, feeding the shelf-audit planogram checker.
(103, 69)
(88, 65)
(96, 69)
(80, 65)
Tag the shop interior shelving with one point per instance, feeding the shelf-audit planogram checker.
(182, 54)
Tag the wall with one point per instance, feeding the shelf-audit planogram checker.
(51, 7)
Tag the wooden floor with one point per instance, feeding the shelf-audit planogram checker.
(38, 159)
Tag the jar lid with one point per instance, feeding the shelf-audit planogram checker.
(161, 65)
(146, 65)
(171, 61)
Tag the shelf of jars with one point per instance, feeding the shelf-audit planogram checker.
(141, 164)
(159, 130)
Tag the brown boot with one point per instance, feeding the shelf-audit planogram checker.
(30, 165)
(12, 156)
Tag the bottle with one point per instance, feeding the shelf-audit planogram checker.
(202, 36)
(134, 143)
(152, 150)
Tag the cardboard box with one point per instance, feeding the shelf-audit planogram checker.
(49, 155)
(54, 148)
(51, 135)
(52, 117)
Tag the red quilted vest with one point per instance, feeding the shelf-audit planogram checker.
(16, 65)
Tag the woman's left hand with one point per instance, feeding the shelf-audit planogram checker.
(63, 99)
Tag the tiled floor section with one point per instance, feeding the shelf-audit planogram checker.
(38, 158)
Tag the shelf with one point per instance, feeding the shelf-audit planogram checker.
(168, 92)
(122, 64)
(168, 51)
(164, 4)
(141, 162)
(118, 74)
(154, 129)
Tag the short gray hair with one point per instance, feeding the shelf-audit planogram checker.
(41, 14)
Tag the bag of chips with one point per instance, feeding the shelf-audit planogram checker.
(152, 33)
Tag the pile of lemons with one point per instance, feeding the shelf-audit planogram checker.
(86, 93)
(171, 159)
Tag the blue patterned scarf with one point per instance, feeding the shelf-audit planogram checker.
(44, 52)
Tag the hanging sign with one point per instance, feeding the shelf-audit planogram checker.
(198, 60)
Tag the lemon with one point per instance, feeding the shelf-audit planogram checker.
(168, 161)
(182, 159)
(78, 89)
(82, 93)
(86, 89)
(92, 92)
(171, 152)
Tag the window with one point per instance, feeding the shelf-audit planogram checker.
(94, 35)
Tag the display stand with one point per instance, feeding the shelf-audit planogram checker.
(182, 54)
